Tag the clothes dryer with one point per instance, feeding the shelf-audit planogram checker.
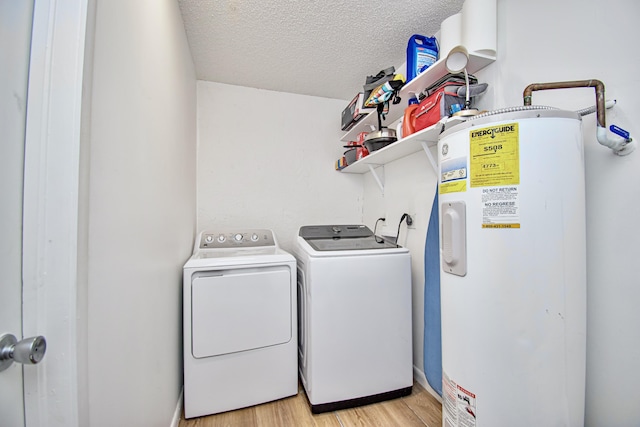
(354, 305)
(239, 318)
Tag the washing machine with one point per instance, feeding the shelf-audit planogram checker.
(240, 322)
(354, 317)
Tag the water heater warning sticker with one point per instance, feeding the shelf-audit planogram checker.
(453, 174)
(495, 156)
(501, 207)
(458, 404)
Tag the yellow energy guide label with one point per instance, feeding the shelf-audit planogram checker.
(494, 156)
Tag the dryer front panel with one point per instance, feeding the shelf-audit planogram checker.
(240, 310)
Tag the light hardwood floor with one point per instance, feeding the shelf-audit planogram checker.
(418, 409)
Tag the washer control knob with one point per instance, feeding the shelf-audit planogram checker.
(208, 238)
(238, 237)
(254, 237)
(221, 238)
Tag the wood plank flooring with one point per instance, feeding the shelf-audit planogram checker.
(418, 409)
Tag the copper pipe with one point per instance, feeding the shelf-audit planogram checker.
(600, 104)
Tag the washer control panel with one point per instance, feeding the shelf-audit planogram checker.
(237, 238)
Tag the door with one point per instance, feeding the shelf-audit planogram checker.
(15, 37)
(41, 68)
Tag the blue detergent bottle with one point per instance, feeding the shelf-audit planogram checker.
(422, 52)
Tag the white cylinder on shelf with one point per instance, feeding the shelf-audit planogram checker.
(479, 26)
(450, 34)
(513, 280)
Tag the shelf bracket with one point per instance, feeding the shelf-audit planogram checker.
(427, 151)
(375, 175)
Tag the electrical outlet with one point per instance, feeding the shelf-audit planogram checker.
(413, 217)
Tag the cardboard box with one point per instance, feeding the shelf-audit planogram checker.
(354, 112)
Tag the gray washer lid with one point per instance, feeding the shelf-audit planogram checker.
(309, 232)
(343, 238)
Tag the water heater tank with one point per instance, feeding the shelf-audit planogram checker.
(513, 278)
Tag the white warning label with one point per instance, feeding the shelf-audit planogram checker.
(458, 404)
(466, 408)
(449, 399)
(501, 207)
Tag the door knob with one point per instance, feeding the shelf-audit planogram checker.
(28, 351)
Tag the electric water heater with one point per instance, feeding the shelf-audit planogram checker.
(513, 278)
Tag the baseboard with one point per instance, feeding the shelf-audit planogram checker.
(421, 378)
(178, 412)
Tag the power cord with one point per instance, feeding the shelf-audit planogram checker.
(405, 217)
(375, 227)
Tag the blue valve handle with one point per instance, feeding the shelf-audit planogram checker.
(619, 131)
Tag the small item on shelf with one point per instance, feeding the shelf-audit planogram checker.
(407, 121)
(354, 112)
(422, 52)
(355, 152)
(361, 152)
(399, 132)
(382, 137)
(361, 137)
(372, 82)
(383, 93)
(350, 155)
(442, 99)
(341, 163)
(431, 109)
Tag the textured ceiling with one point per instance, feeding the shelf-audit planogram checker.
(307, 47)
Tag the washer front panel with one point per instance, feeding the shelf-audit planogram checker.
(357, 301)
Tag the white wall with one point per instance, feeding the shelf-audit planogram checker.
(138, 210)
(266, 160)
(410, 185)
(556, 41)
